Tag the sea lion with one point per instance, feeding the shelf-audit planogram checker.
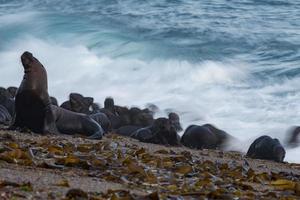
(32, 102)
(204, 137)
(69, 122)
(199, 137)
(118, 115)
(161, 132)
(79, 103)
(175, 121)
(102, 120)
(115, 120)
(111, 108)
(266, 148)
(5, 117)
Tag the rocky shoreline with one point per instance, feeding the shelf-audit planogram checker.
(132, 155)
(30, 107)
(64, 167)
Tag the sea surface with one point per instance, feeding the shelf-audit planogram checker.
(232, 63)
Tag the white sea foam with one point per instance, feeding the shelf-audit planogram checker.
(219, 93)
(17, 18)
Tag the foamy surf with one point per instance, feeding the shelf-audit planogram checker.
(243, 79)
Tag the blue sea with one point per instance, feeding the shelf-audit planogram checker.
(232, 63)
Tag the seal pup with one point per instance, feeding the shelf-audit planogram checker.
(79, 103)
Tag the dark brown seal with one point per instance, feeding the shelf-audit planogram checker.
(32, 102)
(118, 115)
(266, 148)
(69, 122)
(80, 104)
(205, 137)
(160, 132)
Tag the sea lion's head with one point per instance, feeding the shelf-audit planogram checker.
(27, 59)
(175, 121)
(80, 103)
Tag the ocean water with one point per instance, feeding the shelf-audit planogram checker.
(232, 63)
